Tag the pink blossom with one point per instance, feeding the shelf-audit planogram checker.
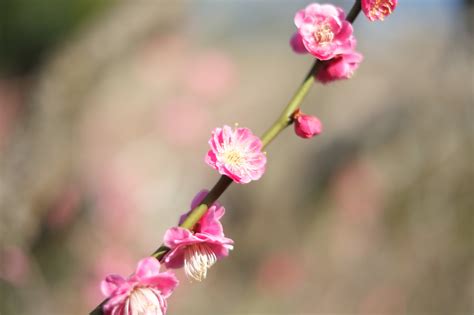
(237, 154)
(306, 126)
(64, 208)
(340, 67)
(212, 75)
(199, 249)
(182, 119)
(378, 9)
(322, 31)
(15, 266)
(145, 292)
(289, 279)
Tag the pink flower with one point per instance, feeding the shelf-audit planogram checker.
(213, 74)
(306, 126)
(145, 292)
(378, 9)
(182, 120)
(237, 154)
(16, 266)
(296, 42)
(340, 67)
(322, 31)
(200, 248)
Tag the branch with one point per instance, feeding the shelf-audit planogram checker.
(282, 122)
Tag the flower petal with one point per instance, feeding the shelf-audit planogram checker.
(147, 267)
(111, 284)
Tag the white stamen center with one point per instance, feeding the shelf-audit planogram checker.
(144, 300)
(197, 259)
(233, 157)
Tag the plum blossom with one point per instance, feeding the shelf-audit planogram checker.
(16, 266)
(296, 42)
(236, 154)
(306, 126)
(213, 75)
(145, 292)
(199, 249)
(340, 67)
(322, 31)
(378, 9)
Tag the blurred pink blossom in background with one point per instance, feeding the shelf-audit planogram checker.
(354, 201)
(117, 199)
(281, 273)
(182, 120)
(210, 75)
(65, 208)
(14, 266)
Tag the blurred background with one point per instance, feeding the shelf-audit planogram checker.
(105, 112)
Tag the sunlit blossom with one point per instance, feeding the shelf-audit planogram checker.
(236, 153)
(378, 9)
(322, 31)
(199, 249)
(145, 292)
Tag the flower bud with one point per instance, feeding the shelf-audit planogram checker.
(339, 68)
(307, 126)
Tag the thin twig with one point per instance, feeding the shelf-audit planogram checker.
(282, 122)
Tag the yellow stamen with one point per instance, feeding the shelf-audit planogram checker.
(233, 157)
(323, 34)
(381, 8)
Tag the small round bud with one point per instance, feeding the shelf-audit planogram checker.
(307, 126)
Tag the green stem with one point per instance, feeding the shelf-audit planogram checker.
(193, 217)
(285, 119)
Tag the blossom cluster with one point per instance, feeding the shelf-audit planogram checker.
(322, 31)
(146, 291)
(237, 154)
